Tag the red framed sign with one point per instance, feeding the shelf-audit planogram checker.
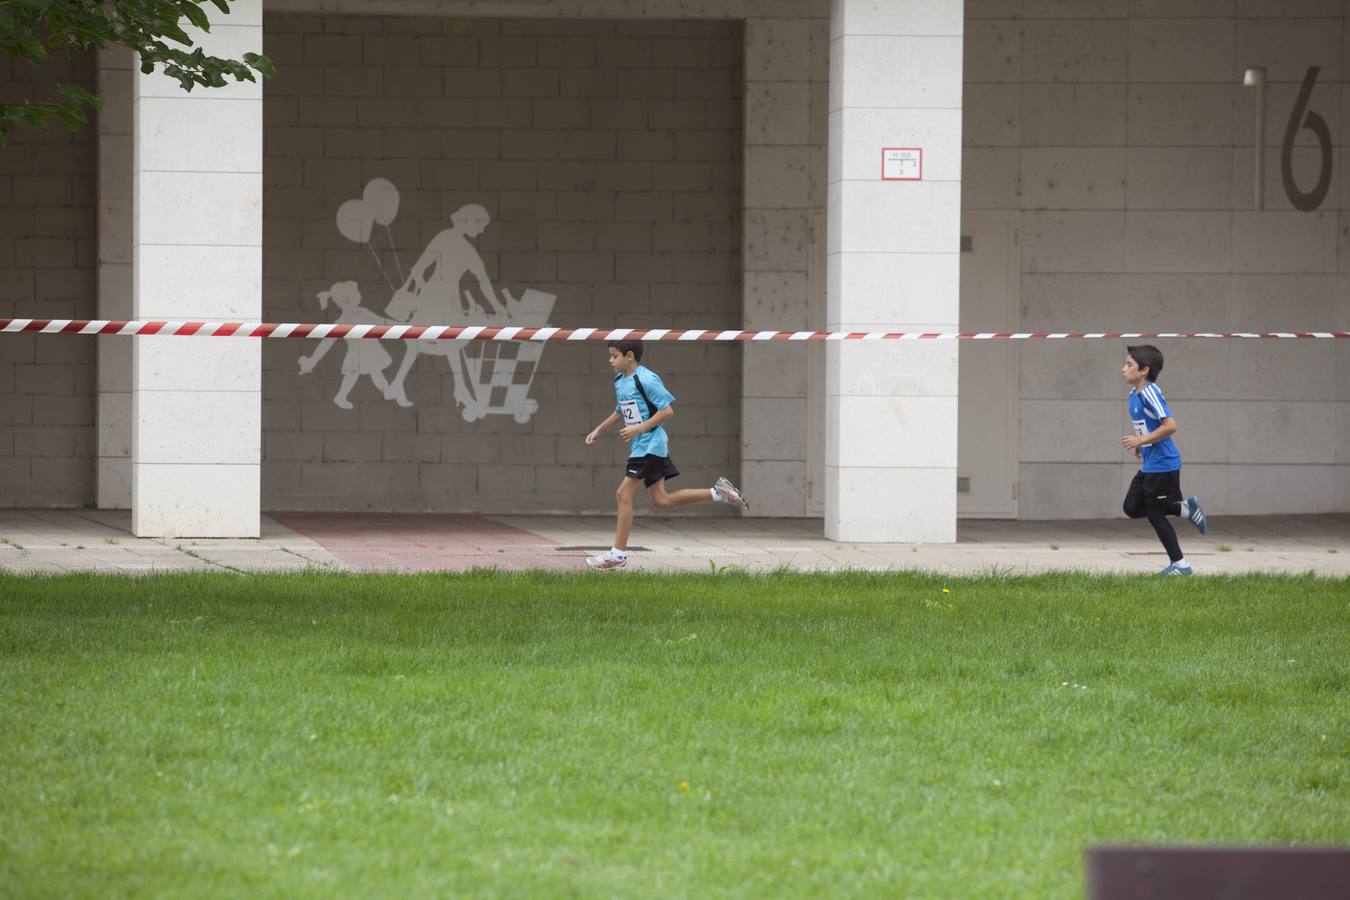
(902, 164)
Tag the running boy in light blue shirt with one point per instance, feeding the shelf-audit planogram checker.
(644, 405)
(1155, 492)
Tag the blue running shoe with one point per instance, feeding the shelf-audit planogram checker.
(1196, 514)
(1174, 569)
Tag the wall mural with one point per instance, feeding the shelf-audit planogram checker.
(490, 378)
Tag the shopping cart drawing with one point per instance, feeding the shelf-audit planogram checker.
(498, 374)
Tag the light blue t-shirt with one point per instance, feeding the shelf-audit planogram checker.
(1148, 408)
(634, 409)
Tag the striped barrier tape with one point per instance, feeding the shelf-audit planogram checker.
(519, 333)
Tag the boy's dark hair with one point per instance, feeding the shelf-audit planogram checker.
(1147, 356)
(626, 347)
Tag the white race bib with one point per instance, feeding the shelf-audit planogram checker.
(1140, 428)
(631, 415)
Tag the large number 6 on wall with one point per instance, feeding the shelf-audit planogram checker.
(1318, 126)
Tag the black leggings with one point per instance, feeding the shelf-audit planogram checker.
(1157, 514)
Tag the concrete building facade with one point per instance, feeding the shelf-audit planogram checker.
(1086, 165)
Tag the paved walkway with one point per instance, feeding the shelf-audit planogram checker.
(54, 541)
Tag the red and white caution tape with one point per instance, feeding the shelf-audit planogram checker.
(519, 333)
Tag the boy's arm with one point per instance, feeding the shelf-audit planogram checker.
(662, 416)
(603, 426)
(628, 432)
(1166, 428)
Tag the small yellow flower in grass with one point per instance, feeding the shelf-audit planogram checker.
(946, 590)
(684, 785)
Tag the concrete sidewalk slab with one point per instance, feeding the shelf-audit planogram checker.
(57, 541)
(1290, 544)
(423, 542)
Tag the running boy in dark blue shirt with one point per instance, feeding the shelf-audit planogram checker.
(644, 405)
(1155, 492)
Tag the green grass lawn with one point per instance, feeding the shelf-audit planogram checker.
(545, 735)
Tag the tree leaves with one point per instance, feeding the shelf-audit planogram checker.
(31, 30)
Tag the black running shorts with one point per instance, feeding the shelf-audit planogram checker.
(1155, 488)
(650, 469)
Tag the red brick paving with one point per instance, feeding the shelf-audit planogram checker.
(425, 542)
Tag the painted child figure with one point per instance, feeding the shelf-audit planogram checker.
(644, 405)
(1155, 492)
(364, 357)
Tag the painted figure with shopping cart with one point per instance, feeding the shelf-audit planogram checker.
(449, 285)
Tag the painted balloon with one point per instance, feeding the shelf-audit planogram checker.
(354, 221)
(381, 199)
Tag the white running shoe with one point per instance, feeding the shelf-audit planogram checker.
(605, 562)
(729, 493)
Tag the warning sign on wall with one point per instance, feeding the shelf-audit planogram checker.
(901, 164)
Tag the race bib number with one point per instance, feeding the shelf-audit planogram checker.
(1140, 428)
(631, 415)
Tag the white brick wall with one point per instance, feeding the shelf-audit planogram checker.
(1121, 134)
(608, 154)
(47, 270)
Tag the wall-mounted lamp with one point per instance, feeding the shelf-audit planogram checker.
(1256, 77)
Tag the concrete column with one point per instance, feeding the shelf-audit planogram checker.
(196, 402)
(784, 162)
(113, 472)
(895, 82)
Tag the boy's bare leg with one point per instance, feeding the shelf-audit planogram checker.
(664, 499)
(628, 489)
